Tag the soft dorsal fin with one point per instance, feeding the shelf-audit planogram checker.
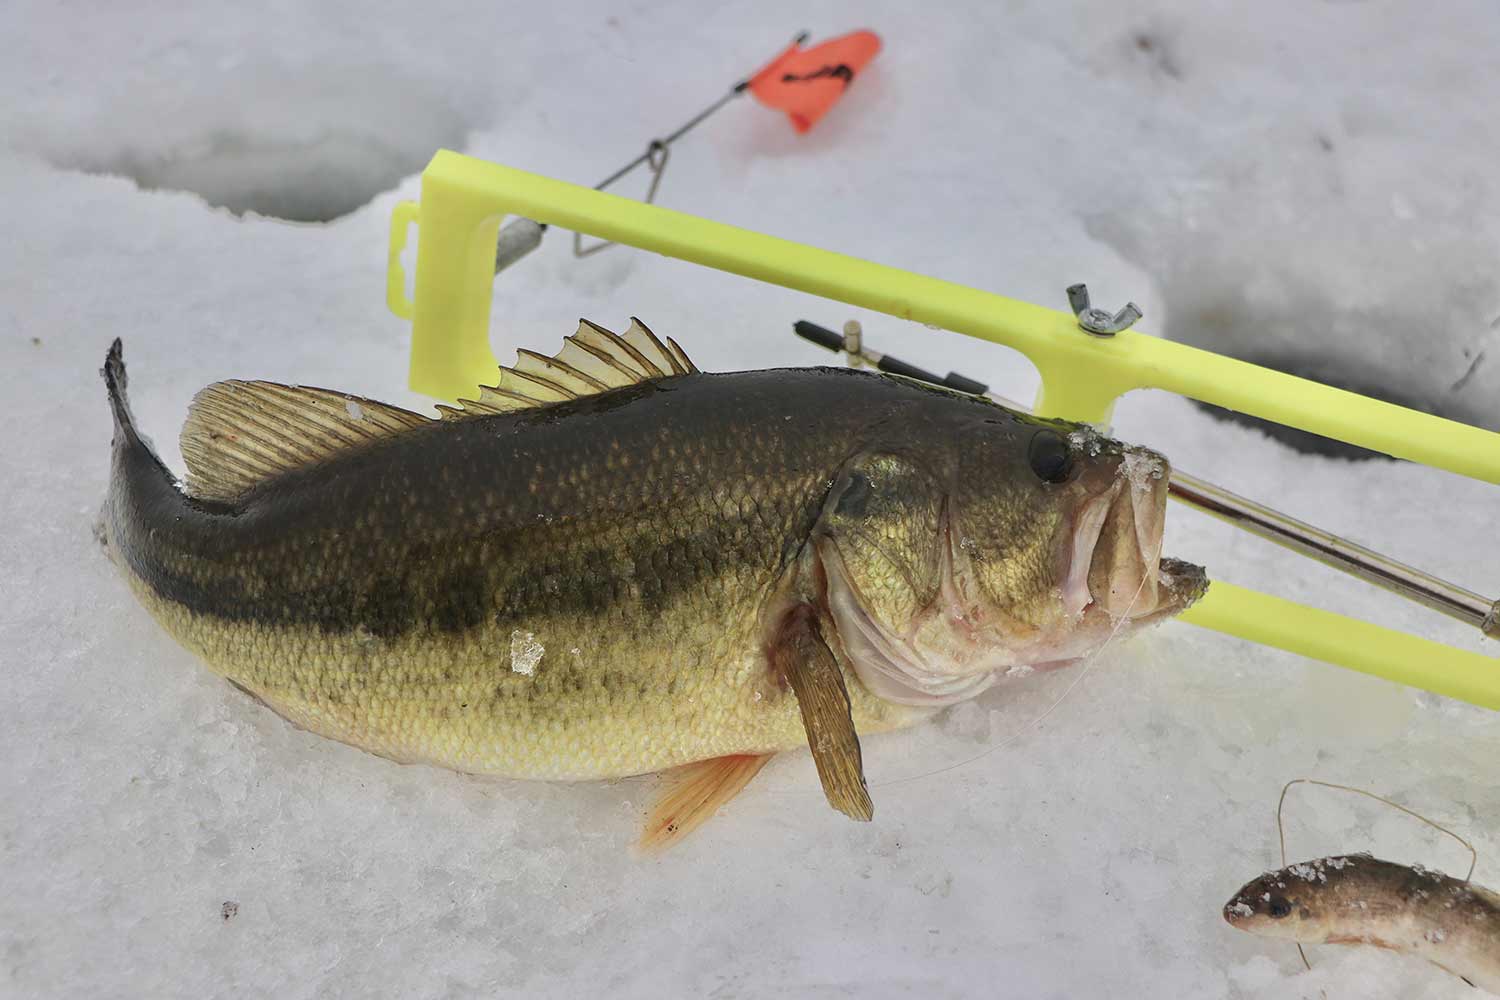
(591, 361)
(239, 433)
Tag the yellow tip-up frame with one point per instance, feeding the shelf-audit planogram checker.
(464, 201)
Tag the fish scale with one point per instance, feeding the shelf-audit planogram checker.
(595, 584)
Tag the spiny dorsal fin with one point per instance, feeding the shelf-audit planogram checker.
(592, 360)
(239, 433)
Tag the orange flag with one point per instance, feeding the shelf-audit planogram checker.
(805, 83)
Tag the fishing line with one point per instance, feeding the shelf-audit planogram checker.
(1281, 828)
(658, 151)
(1281, 832)
(1088, 665)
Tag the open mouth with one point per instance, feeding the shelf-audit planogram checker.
(1114, 559)
(952, 650)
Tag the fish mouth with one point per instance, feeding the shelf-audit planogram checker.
(954, 649)
(1114, 559)
(1246, 912)
(1238, 912)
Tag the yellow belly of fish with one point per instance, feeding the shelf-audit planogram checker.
(547, 702)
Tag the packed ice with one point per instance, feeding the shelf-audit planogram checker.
(1310, 184)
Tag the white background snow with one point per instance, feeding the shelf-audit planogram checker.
(1312, 181)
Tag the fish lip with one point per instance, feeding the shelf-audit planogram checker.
(1139, 514)
(1234, 911)
(1180, 585)
(1088, 525)
(1141, 585)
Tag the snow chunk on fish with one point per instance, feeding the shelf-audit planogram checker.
(525, 652)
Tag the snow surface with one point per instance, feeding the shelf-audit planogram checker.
(1314, 181)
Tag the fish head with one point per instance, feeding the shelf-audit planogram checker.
(1284, 907)
(1002, 540)
(1059, 527)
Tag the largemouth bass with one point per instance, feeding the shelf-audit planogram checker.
(1360, 900)
(612, 563)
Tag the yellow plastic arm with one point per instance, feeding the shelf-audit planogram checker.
(1348, 642)
(464, 201)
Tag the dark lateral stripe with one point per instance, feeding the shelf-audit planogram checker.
(440, 590)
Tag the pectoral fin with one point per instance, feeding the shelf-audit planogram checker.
(801, 656)
(694, 793)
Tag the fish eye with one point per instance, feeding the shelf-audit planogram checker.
(856, 496)
(1279, 907)
(1050, 457)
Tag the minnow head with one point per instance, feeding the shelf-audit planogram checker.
(1309, 903)
(974, 539)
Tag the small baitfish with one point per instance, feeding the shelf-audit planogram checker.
(1360, 900)
(613, 563)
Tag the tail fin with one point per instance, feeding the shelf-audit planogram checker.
(143, 494)
(115, 381)
(133, 453)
